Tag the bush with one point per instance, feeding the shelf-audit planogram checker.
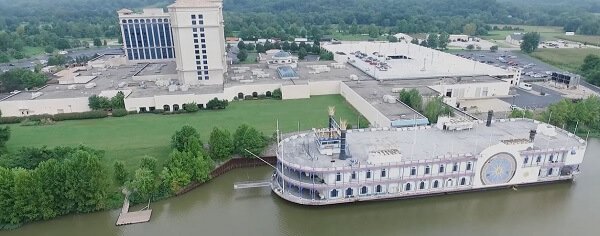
(11, 120)
(80, 115)
(248, 97)
(159, 111)
(277, 94)
(262, 96)
(119, 112)
(191, 107)
(215, 103)
(132, 112)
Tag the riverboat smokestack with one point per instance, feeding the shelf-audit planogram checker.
(532, 134)
(489, 118)
(331, 115)
(343, 154)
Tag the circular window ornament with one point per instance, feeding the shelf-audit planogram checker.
(499, 169)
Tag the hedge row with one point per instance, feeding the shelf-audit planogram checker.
(57, 117)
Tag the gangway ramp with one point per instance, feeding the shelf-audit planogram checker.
(252, 184)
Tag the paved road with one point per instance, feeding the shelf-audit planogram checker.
(30, 62)
(532, 99)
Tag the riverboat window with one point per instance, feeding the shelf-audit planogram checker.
(463, 181)
(550, 171)
(334, 193)
(551, 157)
(383, 173)
(427, 170)
(422, 185)
(526, 160)
(436, 184)
(378, 189)
(469, 165)
(363, 190)
(407, 188)
(368, 174)
(455, 167)
(539, 159)
(442, 168)
(353, 175)
(338, 177)
(349, 192)
(449, 182)
(413, 171)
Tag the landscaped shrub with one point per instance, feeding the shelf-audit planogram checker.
(80, 115)
(277, 94)
(119, 112)
(262, 96)
(191, 107)
(159, 111)
(132, 112)
(248, 97)
(11, 120)
(215, 103)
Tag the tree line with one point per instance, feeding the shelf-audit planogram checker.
(591, 69)
(43, 183)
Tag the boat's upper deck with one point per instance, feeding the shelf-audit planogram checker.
(373, 146)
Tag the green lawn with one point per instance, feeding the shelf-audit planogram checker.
(130, 138)
(567, 59)
(588, 39)
(546, 32)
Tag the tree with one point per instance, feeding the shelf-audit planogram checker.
(191, 107)
(216, 104)
(443, 41)
(432, 41)
(151, 164)
(182, 136)
(392, 39)
(4, 137)
(436, 107)
(248, 138)
(373, 31)
(97, 42)
(242, 55)
(7, 204)
(277, 94)
(302, 53)
(415, 41)
(96, 102)
(530, 43)
(86, 186)
(241, 45)
(120, 175)
(144, 183)
(412, 98)
(20, 79)
(470, 29)
(470, 47)
(494, 48)
(118, 101)
(220, 144)
(260, 48)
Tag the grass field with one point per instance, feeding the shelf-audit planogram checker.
(587, 39)
(566, 59)
(130, 138)
(546, 32)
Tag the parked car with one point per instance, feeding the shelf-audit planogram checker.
(526, 86)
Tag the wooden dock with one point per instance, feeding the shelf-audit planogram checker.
(252, 184)
(126, 217)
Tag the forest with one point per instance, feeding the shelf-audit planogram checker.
(62, 24)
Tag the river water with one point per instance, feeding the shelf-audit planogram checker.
(571, 208)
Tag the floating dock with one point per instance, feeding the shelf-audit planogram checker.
(127, 218)
(252, 184)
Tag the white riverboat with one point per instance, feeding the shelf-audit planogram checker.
(334, 165)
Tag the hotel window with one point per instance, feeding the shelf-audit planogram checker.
(203, 40)
(383, 173)
(201, 22)
(198, 57)
(193, 22)
(468, 165)
(200, 17)
(413, 171)
(202, 35)
(441, 168)
(197, 51)
(334, 193)
(195, 35)
(455, 167)
(203, 51)
(353, 176)
(201, 29)
(378, 189)
(194, 30)
(427, 170)
(195, 40)
(204, 57)
(196, 46)
(193, 17)
(206, 77)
